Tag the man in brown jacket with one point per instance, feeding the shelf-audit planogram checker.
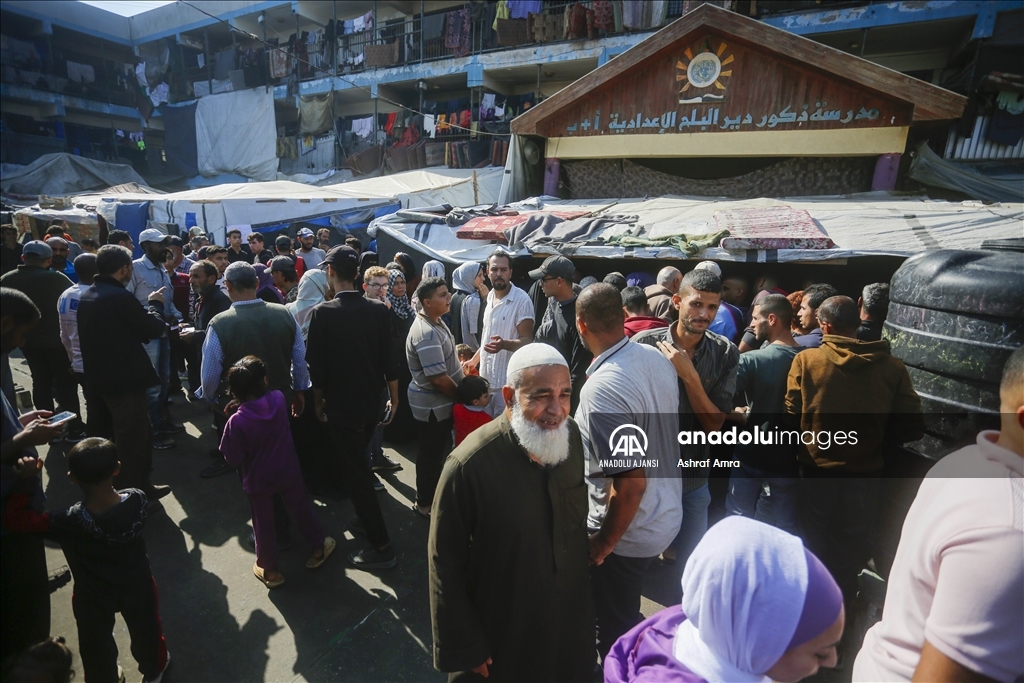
(850, 398)
(659, 296)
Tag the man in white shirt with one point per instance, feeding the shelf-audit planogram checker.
(311, 255)
(636, 490)
(508, 326)
(67, 315)
(953, 606)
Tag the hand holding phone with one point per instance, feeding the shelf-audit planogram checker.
(61, 418)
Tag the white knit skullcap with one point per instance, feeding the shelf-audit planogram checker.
(533, 355)
(711, 266)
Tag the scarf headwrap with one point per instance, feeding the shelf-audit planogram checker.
(750, 593)
(312, 291)
(464, 275)
(433, 269)
(399, 304)
(266, 283)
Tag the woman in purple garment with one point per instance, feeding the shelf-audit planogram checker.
(757, 607)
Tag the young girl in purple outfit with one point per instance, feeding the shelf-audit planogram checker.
(258, 440)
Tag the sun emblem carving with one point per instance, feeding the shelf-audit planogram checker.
(704, 70)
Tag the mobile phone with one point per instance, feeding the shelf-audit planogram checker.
(61, 418)
(387, 415)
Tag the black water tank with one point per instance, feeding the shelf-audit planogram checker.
(954, 319)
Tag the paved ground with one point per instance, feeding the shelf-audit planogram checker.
(221, 624)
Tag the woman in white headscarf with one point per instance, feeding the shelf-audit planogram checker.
(757, 607)
(430, 269)
(468, 304)
(313, 289)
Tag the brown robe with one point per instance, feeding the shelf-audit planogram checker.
(509, 567)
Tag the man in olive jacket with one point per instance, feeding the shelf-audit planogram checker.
(851, 399)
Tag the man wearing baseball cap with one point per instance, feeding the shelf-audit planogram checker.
(308, 253)
(555, 276)
(148, 276)
(282, 269)
(283, 246)
(47, 359)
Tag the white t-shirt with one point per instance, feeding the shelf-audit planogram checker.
(67, 313)
(313, 258)
(633, 384)
(958, 577)
(501, 319)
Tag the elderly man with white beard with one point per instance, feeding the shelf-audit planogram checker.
(510, 595)
(627, 418)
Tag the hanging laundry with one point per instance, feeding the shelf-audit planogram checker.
(363, 127)
(457, 32)
(307, 143)
(287, 149)
(487, 107)
(161, 94)
(389, 123)
(315, 114)
(81, 73)
(500, 12)
(464, 118)
(442, 123)
(519, 9)
(604, 15)
(140, 75)
(201, 60)
(433, 26)
(430, 125)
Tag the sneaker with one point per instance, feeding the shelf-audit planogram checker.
(171, 428)
(378, 485)
(382, 463)
(370, 558)
(75, 436)
(329, 545)
(159, 676)
(216, 469)
(163, 443)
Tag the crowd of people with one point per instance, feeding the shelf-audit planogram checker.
(310, 356)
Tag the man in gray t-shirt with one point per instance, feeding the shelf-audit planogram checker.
(635, 490)
(436, 373)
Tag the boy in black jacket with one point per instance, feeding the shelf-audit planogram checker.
(102, 541)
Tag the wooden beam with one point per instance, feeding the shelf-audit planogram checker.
(790, 143)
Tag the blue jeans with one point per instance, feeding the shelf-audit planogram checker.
(159, 352)
(695, 523)
(759, 495)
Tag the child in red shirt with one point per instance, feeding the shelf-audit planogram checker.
(469, 412)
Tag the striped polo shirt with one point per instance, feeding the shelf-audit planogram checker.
(430, 350)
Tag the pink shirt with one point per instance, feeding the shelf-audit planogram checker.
(958, 577)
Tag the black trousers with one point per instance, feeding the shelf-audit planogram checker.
(616, 584)
(435, 445)
(25, 611)
(137, 603)
(125, 419)
(351, 470)
(838, 516)
(52, 376)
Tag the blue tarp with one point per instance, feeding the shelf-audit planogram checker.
(133, 218)
(180, 126)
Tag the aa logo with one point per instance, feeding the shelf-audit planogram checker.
(628, 441)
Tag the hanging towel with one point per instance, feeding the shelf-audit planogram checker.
(500, 12)
(315, 114)
(363, 127)
(81, 73)
(519, 9)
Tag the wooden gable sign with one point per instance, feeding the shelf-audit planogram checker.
(716, 72)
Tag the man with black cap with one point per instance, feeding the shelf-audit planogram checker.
(47, 360)
(149, 275)
(351, 359)
(555, 276)
(283, 246)
(313, 256)
(286, 279)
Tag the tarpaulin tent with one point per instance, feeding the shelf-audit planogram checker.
(64, 174)
(870, 224)
(262, 206)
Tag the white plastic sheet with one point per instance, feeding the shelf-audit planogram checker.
(236, 133)
(871, 224)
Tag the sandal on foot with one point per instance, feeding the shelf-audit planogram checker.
(329, 545)
(259, 573)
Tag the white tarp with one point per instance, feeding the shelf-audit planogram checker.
(281, 201)
(236, 133)
(870, 224)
